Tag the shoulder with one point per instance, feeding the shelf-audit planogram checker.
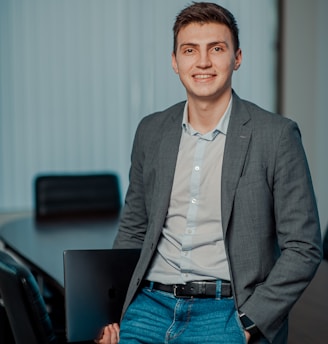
(152, 127)
(258, 116)
(270, 131)
(159, 118)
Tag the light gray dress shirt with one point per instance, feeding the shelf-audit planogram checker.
(191, 247)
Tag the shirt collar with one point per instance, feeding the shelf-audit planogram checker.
(221, 127)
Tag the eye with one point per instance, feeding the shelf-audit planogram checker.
(189, 51)
(217, 49)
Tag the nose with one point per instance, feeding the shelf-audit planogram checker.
(204, 60)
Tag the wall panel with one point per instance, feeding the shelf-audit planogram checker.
(77, 76)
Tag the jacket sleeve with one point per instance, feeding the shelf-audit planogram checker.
(134, 219)
(297, 232)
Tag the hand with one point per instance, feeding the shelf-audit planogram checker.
(110, 335)
(247, 335)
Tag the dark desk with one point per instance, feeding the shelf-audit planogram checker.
(41, 245)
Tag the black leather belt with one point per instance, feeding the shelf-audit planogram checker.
(201, 289)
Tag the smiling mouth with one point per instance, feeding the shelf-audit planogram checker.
(203, 76)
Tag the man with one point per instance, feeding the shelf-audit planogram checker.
(220, 202)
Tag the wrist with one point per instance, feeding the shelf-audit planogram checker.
(248, 324)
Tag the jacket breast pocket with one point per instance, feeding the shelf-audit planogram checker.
(254, 198)
(254, 173)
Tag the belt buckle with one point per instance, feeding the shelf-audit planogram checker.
(176, 293)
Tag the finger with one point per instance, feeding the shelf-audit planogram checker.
(113, 333)
(117, 330)
(110, 335)
(106, 338)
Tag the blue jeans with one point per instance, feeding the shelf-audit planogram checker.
(157, 317)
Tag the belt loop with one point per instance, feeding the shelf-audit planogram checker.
(151, 285)
(218, 288)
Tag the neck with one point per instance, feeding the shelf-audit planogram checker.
(205, 115)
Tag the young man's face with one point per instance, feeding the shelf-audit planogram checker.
(205, 60)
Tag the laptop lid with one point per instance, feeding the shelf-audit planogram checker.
(96, 283)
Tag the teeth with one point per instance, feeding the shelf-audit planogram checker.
(203, 76)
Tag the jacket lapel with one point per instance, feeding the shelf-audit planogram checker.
(235, 152)
(167, 157)
(236, 147)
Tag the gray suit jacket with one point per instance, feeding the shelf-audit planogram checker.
(269, 214)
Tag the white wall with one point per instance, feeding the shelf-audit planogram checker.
(77, 76)
(305, 83)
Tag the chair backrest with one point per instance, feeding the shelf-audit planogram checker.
(76, 195)
(325, 244)
(25, 308)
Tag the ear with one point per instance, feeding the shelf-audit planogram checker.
(174, 63)
(238, 59)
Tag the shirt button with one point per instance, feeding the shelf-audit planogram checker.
(197, 168)
(194, 201)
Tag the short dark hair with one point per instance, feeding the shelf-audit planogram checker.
(205, 12)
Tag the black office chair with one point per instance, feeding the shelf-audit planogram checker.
(76, 196)
(25, 308)
(325, 244)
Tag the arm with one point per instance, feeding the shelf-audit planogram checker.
(134, 218)
(297, 232)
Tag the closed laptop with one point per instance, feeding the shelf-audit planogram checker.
(96, 283)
